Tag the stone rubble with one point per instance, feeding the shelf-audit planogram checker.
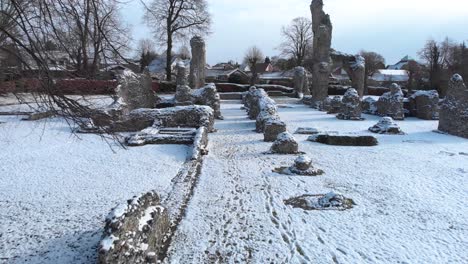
(285, 143)
(350, 106)
(425, 105)
(391, 103)
(386, 125)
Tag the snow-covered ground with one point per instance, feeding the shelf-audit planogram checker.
(56, 189)
(410, 192)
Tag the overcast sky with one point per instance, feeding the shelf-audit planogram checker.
(393, 28)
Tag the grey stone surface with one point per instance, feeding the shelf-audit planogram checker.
(301, 84)
(386, 125)
(369, 106)
(273, 127)
(350, 106)
(454, 109)
(134, 231)
(322, 29)
(344, 140)
(134, 91)
(391, 103)
(425, 105)
(335, 105)
(285, 143)
(198, 63)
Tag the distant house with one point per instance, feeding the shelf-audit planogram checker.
(340, 75)
(260, 67)
(399, 65)
(224, 66)
(157, 67)
(390, 76)
(223, 75)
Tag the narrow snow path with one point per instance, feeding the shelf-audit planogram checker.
(410, 206)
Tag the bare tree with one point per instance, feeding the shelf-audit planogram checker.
(176, 20)
(253, 56)
(147, 52)
(432, 55)
(374, 62)
(37, 23)
(184, 52)
(297, 40)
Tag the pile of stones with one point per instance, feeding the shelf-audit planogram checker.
(454, 109)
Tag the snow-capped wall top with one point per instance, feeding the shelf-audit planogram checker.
(457, 78)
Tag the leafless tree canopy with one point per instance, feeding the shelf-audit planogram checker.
(374, 62)
(297, 40)
(173, 20)
(253, 56)
(88, 31)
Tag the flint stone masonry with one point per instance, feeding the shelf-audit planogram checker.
(208, 95)
(321, 64)
(386, 125)
(134, 91)
(285, 144)
(264, 110)
(369, 106)
(135, 231)
(183, 91)
(344, 140)
(301, 84)
(350, 106)
(425, 105)
(302, 167)
(355, 66)
(198, 63)
(335, 105)
(391, 103)
(273, 128)
(454, 109)
(181, 116)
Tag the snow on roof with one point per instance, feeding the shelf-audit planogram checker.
(391, 75)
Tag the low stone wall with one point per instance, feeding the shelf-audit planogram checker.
(139, 119)
(135, 231)
(141, 230)
(263, 109)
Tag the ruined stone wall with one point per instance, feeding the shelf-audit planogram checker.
(454, 109)
(322, 29)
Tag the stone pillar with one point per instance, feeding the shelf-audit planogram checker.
(183, 91)
(198, 64)
(454, 108)
(321, 68)
(300, 81)
(358, 74)
(135, 91)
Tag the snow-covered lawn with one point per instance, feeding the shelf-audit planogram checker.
(410, 192)
(55, 189)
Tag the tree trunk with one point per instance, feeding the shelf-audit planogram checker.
(169, 57)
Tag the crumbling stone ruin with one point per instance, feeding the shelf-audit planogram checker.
(391, 103)
(135, 231)
(355, 66)
(329, 201)
(350, 106)
(285, 143)
(198, 63)
(386, 125)
(183, 95)
(273, 127)
(335, 105)
(454, 109)
(207, 95)
(369, 106)
(425, 105)
(322, 29)
(302, 167)
(139, 119)
(301, 83)
(344, 140)
(261, 108)
(134, 91)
